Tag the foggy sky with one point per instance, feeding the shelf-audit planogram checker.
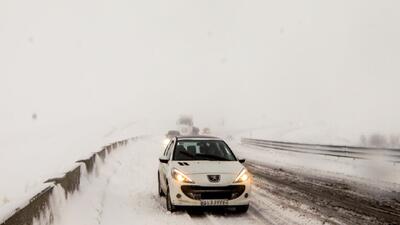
(71, 60)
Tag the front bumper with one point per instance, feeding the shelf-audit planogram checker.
(192, 194)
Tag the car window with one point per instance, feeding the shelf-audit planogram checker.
(212, 150)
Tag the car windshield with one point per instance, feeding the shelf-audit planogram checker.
(212, 150)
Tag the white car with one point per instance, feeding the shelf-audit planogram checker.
(202, 171)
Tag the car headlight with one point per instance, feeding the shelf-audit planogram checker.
(181, 177)
(243, 176)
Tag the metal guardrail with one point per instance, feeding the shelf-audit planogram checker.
(354, 152)
(39, 205)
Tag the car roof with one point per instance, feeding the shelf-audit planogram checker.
(197, 137)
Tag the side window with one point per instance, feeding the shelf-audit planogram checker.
(171, 149)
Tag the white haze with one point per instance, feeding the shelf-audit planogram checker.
(245, 62)
(78, 74)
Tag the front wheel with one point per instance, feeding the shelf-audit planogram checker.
(170, 207)
(242, 208)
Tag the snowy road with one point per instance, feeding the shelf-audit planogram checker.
(125, 192)
(329, 200)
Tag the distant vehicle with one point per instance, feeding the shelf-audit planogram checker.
(185, 125)
(206, 130)
(195, 131)
(172, 133)
(202, 171)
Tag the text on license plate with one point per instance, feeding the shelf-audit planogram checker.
(213, 202)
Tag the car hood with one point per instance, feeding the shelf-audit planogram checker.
(208, 167)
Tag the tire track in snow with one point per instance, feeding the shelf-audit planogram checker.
(334, 202)
(278, 212)
(233, 218)
(297, 209)
(100, 210)
(257, 215)
(199, 218)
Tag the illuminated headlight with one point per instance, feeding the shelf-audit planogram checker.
(181, 177)
(242, 177)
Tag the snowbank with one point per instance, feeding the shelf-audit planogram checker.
(372, 172)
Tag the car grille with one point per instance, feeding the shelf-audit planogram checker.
(205, 192)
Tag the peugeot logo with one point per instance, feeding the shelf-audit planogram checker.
(213, 178)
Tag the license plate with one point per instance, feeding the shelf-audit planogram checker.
(213, 202)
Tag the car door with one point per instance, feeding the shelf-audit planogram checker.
(161, 168)
(164, 167)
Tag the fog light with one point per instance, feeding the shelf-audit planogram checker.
(246, 195)
(178, 195)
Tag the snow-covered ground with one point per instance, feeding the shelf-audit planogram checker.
(370, 172)
(40, 151)
(317, 132)
(45, 151)
(125, 192)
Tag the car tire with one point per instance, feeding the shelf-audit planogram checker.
(242, 208)
(160, 191)
(170, 207)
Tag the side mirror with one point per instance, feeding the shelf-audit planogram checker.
(242, 160)
(164, 159)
